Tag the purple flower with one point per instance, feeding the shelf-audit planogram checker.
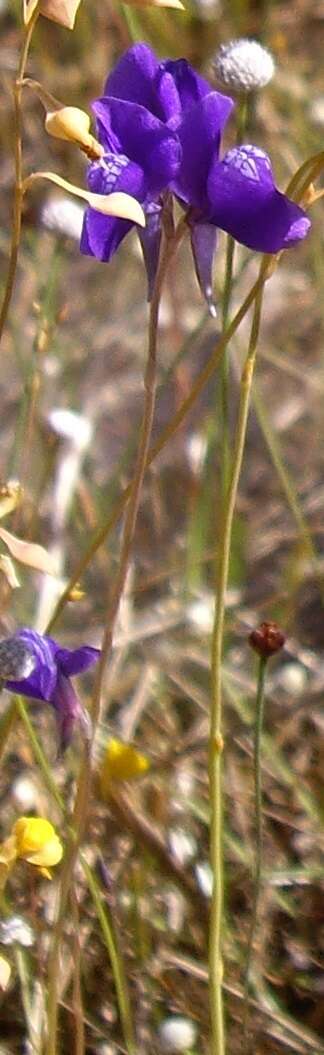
(161, 126)
(48, 671)
(142, 157)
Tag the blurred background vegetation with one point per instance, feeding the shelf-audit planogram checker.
(76, 342)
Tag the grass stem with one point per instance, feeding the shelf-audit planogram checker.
(216, 719)
(258, 836)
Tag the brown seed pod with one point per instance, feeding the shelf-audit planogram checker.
(267, 639)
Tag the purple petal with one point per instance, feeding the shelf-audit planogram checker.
(190, 88)
(133, 78)
(41, 683)
(168, 105)
(143, 138)
(101, 235)
(150, 239)
(69, 711)
(76, 660)
(203, 244)
(199, 135)
(114, 172)
(245, 202)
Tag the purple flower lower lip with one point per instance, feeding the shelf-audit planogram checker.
(47, 676)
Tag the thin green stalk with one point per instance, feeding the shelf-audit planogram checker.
(111, 941)
(45, 768)
(19, 190)
(241, 122)
(216, 719)
(225, 368)
(258, 836)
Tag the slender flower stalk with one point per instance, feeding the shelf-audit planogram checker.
(19, 189)
(241, 128)
(216, 720)
(259, 709)
(266, 640)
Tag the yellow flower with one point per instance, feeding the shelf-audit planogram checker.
(38, 843)
(120, 762)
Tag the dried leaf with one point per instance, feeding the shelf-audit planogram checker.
(9, 572)
(61, 11)
(29, 553)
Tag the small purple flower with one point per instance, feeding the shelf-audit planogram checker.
(50, 668)
(161, 126)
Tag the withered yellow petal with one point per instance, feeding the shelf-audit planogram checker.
(61, 11)
(116, 204)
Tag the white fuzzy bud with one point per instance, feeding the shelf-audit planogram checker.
(243, 65)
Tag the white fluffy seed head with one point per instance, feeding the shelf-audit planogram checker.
(243, 65)
(177, 1033)
(63, 216)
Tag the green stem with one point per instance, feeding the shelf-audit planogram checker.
(19, 190)
(258, 836)
(241, 121)
(225, 366)
(216, 720)
(38, 753)
(111, 942)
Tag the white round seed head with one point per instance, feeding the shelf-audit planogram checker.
(243, 65)
(177, 1033)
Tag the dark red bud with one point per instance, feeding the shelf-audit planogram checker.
(267, 639)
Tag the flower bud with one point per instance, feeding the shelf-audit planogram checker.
(72, 124)
(267, 639)
(243, 65)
